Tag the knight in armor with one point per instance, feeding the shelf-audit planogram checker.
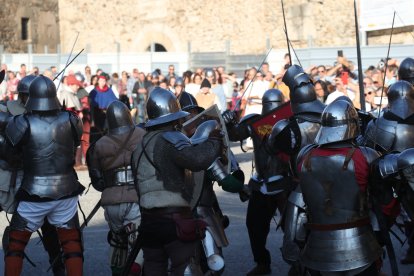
(333, 176)
(11, 165)
(160, 164)
(269, 185)
(48, 138)
(109, 165)
(393, 131)
(289, 136)
(207, 205)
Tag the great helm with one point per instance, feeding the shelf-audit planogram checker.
(401, 99)
(302, 92)
(42, 95)
(271, 99)
(406, 70)
(339, 123)
(163, 107)
(119, 118)
(24, 83)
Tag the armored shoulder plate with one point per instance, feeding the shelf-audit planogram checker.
(388, 165)
(76, 125)
(369, 154)
(178, 139)
(406, 159)
(4, 119)
(381, 132)
(16, 129)
(203, 131)
(285, 136)
(304, 151)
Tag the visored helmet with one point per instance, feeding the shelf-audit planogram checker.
(24, 83)
(119, 118)
(271, 99)
(42, 95)
(163, 107)
(406, 70)
(339, 122)
(302, 94)
(401, 99)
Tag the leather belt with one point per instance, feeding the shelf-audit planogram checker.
(338, 226)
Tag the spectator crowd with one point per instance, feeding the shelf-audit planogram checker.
(88, 95)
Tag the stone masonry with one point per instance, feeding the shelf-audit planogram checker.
(242, 27)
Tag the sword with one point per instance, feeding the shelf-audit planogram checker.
(286, 33)
(90, 216)
(360, 75)
(132, 255)
(68, 64)
(260, 67)
(293, 49)
(383, 80)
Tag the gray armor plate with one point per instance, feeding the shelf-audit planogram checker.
(308, 131)
(341, 250)
(389, 135)
(332, 196)
(49, 156)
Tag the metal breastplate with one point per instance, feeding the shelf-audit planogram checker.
(308, 131)
(48, 157)
(404, 137)
(389, 135)
(330, 190)
(266, 164)
(333, 197)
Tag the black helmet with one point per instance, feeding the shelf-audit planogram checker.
(406, 70)
(340, 122)
(24, 83)
(302, 92)
(303, 100)
(119, 118)
(295, 76)
(188, 102)
(401, 99)
(163, 107)
(271, 99)
(42, 95)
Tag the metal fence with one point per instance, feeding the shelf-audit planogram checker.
(149, 61)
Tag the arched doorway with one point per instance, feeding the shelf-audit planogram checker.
(157, 48)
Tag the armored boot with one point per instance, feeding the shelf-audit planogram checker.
(71, 242)
(14, 243)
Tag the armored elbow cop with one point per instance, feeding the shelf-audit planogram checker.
(232, 182)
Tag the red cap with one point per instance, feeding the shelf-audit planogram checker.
(101, 77)
(71, 80)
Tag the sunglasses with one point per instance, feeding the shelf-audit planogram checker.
(369, 93)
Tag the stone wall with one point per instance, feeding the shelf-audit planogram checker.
(206, 25)
(242, 27)
(43, 25)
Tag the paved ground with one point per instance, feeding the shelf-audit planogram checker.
(237, 255)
